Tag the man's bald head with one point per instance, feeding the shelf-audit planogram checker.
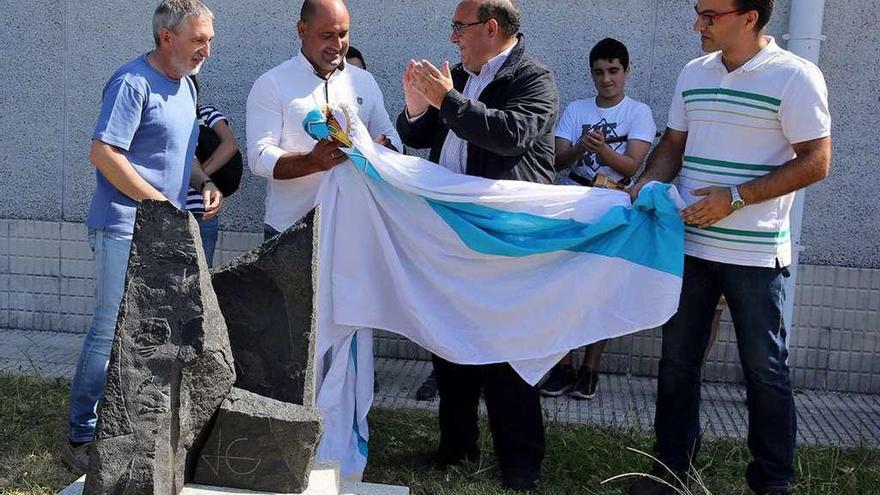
(323, 30)
(312, 7)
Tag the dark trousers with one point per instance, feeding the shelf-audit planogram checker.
(514, 407)
(755, 297)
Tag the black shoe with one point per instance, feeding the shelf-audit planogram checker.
(519, 480)
(560, 380)
(76, 457)
(428, 389)
(650, 486)
(587, 382)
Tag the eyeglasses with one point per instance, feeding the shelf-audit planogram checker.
(459, 27)
(709, 19)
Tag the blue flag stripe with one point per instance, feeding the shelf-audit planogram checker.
(650, 234)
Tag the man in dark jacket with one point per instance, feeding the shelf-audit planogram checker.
(501, 106)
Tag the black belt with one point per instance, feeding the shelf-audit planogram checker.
(580, 180)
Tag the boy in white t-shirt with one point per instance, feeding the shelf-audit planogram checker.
(600, 142)
(608, 135)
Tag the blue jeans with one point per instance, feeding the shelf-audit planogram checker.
(111, 263)
(210, 231)
(755, 297)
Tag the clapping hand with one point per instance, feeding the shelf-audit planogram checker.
(416, 104)
(429, 82)
(593, 142)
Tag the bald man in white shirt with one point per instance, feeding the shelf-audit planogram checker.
(278, 147)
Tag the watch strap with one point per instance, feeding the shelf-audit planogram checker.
(736, 201)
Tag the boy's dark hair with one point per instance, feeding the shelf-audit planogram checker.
(355, 53)
(764, 8)
(609, 49)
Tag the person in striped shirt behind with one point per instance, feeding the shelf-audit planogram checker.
(209, 223)
(748, 126)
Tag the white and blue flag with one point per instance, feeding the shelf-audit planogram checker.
(477, 271)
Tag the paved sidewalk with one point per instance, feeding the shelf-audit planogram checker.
(824, 418)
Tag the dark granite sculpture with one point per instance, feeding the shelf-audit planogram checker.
(171, 365)
(268, 301)
(260, 444)
(161, 423)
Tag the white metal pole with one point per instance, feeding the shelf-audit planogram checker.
(804, 39)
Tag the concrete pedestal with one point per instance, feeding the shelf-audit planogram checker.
(323, 480)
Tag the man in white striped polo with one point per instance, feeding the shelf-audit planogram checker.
(748, 126)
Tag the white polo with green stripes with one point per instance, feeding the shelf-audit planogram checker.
(741, 125)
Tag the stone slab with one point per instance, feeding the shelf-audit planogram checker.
(323, 480)
(353, 488)
(170, 367)
(258, 443)
(267, 297)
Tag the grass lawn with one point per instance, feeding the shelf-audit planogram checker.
(33, 421)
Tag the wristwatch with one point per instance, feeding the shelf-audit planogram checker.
(205, 183)
(736, 201)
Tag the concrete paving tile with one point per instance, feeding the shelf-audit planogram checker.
(805, 434)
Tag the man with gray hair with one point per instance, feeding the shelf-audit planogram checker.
(491, 116)
(143, 148)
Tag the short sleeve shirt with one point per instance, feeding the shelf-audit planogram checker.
(151, 118)
(208, 116)
(629, 119)
(741, 125)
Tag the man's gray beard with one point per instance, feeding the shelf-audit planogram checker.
(197, 69)
(185, 70)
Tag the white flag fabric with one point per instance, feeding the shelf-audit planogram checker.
(480, 271)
